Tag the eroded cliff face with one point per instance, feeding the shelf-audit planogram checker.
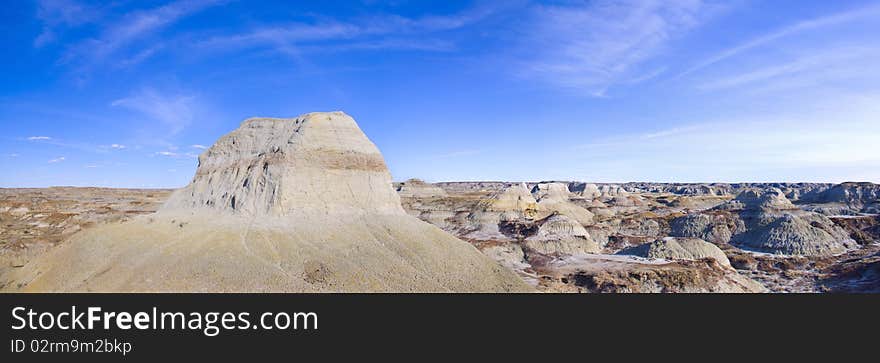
(315, 163)
(280, 205)
(771, 223)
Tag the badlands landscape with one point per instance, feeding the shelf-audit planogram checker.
(307, 204)
(655, 237)
(304, 204)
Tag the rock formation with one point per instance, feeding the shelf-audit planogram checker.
(756, 199)
(771, 223)
(562, 235)
(509, 255)
(716, 228)
(672, 248)
(857, 197)
(638, 227)
(319, 163)
(295, 205)
(416, 188)
(612, 191)
(793, 234)
(556, 198)
(513, 202)
(586, 190)
(863, 229)
(626, 274)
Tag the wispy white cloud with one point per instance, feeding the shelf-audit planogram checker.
(646, 76)
(378, 32)
(57, 160)
(809, 67)
(132, 28)
(75, 145)
(426, 45)
(627, 140)
(197, 146)
(283, 35)
(459, 153)
(140, 56)
(57, 15)
(174, 154)
(675, 131)
(90, 166)
(788, 31)
(594, 46)
(434, 22)
(174, 111)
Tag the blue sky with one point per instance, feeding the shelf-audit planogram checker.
(128, 93)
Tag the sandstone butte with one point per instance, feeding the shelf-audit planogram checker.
(278, 205)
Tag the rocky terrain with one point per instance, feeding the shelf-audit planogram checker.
(561, 256)
(654, 237)
(642, 237)
(307, 204)
(34, 220)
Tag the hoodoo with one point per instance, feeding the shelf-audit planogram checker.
(281, 205)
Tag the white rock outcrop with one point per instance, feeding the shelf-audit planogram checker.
(318, 163)
(676, 248)
(586, 190)
(513, 202)
(759, 199)
(556, 198)
(416, 188)
(562, 235)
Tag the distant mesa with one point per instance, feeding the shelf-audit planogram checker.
(417, 188)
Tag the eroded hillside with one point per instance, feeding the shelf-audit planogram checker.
(35, 219)
(653, 237)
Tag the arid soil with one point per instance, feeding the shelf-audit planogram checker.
(35, 220)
